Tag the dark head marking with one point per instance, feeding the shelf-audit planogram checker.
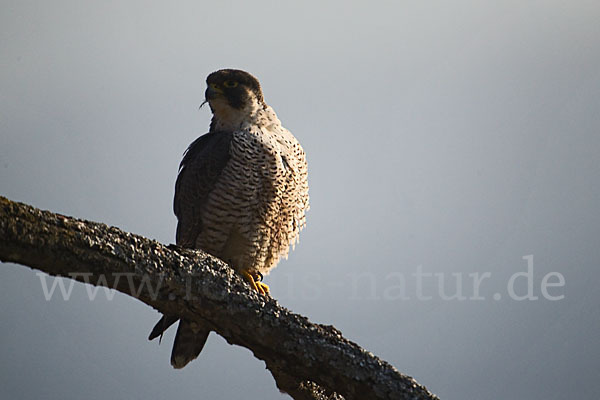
(234, 85)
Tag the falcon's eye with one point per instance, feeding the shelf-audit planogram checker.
(230, 84)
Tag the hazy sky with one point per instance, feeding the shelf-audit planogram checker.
(446, 142)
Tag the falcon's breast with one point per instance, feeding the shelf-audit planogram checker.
(257, 206)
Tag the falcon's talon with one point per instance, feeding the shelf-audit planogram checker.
(256, 285)
(248, 278)
(264, 287)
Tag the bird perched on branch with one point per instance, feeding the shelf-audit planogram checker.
(241, 193)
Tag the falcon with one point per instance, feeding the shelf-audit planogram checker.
(241, 193)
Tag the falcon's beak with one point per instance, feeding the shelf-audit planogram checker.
(213, 91)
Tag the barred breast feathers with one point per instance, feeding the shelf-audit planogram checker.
(284, 167)
(267, 179)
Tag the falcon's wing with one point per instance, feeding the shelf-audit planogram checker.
(202, 164)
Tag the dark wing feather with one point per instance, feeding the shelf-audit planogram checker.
(199, 170)
(161, 326)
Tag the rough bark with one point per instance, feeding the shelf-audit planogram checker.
(307, 360)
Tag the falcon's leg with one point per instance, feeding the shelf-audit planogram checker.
(255, 283)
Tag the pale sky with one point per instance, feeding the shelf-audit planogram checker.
(448, 143)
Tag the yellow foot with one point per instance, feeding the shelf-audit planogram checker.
(255, 283)
(263, 288)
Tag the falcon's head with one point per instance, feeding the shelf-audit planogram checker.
(233, 95)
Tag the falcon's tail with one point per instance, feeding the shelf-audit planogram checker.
(189, 340)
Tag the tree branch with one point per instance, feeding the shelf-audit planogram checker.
(307, 360)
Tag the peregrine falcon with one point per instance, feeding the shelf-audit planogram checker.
(241, 193)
